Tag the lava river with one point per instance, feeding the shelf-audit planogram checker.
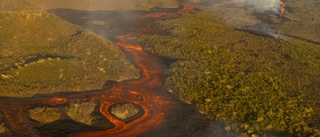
(146, 92)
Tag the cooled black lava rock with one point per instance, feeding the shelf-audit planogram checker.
(62, 128)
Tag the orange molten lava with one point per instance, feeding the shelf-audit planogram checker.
(140, 92)
(146, 92)
(282, 8)
(57, 101)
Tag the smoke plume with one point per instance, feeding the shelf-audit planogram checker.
(254, 16)
(264, 5)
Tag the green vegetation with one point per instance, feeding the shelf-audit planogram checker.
(256, 84)
(41, 54)
(45, 114)
(15, 5)
(124, 111)
(3, 128)
(82, 111)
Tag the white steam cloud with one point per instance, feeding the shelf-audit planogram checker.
(253, 16)
(264, 4)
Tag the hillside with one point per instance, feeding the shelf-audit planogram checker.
(42, 54)
(107, 5)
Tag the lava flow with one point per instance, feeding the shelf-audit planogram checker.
(282, 8)
(146, 92)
